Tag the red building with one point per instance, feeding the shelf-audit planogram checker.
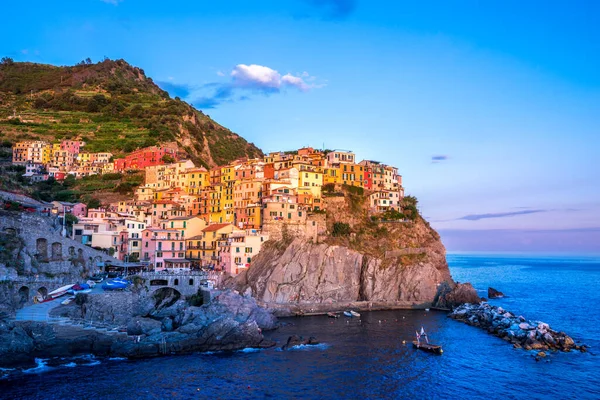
(146, 157)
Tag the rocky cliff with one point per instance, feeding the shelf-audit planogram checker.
(136, 326)
(358, 263)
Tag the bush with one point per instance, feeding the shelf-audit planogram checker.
(341, 229)
(354, 190)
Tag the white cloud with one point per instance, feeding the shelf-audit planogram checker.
(261, 77)
(250, 79)
(113, 2)
(295, 81)
(256, 75)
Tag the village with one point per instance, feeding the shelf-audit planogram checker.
(186, 217)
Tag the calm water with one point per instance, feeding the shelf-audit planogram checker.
(368, 360)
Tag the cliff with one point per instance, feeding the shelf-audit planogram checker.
(357, 263)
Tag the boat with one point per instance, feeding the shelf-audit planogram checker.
(91, 283)
(351, 314)
(426, 346)
(60, 291)
(333, 315)
(113, 285)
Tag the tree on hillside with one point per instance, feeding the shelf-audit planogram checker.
(6, 61)
(168, 159)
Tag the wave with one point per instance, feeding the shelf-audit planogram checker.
(307, 347)
(249, 350)
(41, 366)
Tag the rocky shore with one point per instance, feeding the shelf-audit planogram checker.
(522, 333)
(137, 326)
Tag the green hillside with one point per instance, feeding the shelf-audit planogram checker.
(112, 106)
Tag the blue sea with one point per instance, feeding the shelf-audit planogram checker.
(366, 359)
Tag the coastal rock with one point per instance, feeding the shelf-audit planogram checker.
(404, 267)
(530, 335)
(296, 340)
(462, 293)
(494, 294)
(143, 326)
(229, 322)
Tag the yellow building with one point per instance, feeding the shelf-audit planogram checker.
(47, 154)
(352, 174)
(310, 180)
(84, 158)
(196, 179)
(332, 175)
(216, 210)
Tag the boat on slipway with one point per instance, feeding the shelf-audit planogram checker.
(351, 314)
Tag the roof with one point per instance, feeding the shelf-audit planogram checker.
(183, 218)
(215, 227)
(164, 202)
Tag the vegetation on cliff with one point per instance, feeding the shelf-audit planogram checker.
(110, 105)
(351, 225)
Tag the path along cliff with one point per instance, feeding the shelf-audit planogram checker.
(357, 261)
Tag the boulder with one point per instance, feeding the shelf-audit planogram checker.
(143, 326)
(296, 340)
(494, 294)
(525, 326)
(462, 293)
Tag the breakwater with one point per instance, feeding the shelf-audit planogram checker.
(522, 333)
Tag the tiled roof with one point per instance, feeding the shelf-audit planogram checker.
(214, 227)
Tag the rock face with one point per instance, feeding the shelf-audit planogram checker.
(152, 327)
(529, 335)
(307, 273)
(383, 265)
(450, 297)
(494, 294)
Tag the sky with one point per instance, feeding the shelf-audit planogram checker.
(490, 110)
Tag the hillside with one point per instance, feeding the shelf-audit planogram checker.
(110, 105)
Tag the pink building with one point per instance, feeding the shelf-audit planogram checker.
(238, 249)
(72, 146)
(79, 210)
(164, 248)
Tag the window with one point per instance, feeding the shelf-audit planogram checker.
(158, 254)
(237, 249)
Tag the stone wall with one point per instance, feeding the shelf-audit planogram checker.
(312, 228)
(44, 257)
(186, 284)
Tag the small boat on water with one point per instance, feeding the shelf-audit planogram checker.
(351, 314)
(333, 315)
(426, 346)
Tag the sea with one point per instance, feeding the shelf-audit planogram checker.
(370, 357)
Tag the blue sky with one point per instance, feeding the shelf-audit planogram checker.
(491, 112)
